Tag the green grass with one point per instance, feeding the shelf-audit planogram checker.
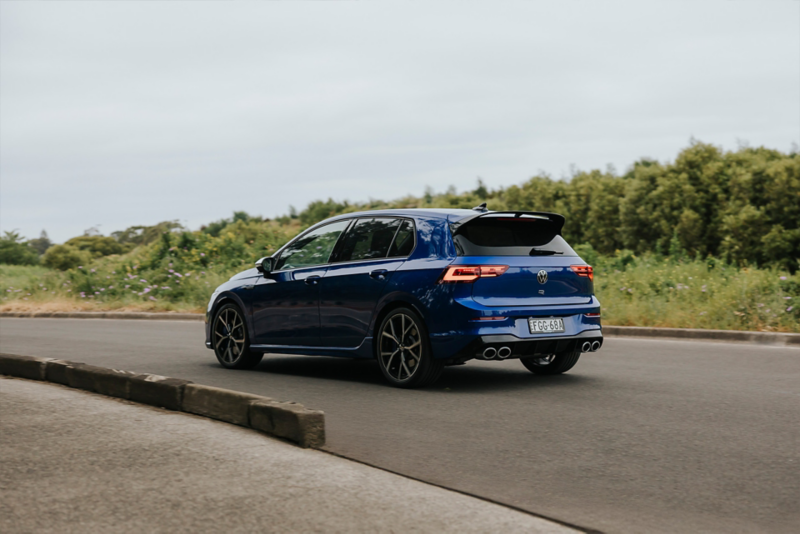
(634, 291)
(696, 294)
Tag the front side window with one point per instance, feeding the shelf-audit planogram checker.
(314, 248)
(368, 239)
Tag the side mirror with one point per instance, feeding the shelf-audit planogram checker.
(265, 265)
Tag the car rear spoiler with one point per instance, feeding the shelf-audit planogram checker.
(556, 221)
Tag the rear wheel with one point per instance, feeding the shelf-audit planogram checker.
(230, 340)
(403, 351)
(551, 364)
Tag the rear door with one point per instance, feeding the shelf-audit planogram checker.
(368, 255)
(540, 262)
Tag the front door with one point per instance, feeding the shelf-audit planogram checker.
(286, 300)
(286, 308)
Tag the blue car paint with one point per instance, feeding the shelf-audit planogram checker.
(339, 313)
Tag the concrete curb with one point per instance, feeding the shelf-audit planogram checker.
(218, 403)
(166, 316)
(285, 420)
(765, 338)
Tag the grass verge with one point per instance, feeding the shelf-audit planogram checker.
(634, 291)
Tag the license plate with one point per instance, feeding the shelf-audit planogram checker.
(551, 324)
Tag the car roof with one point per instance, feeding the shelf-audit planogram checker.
(429, 213)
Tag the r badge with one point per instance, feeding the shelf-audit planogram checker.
(542, 276)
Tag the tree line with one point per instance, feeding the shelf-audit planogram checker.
(740, 206)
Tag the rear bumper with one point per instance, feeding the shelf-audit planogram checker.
(472, 327)
(509, 347)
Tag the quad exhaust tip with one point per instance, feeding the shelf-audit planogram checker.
(595, 346)
(587, 347)
(504, 353)
(489, 353)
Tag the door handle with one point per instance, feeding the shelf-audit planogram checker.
(313, 280)
(378, 273)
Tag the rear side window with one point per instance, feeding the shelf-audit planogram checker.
(403, 240)
(487, 236)
(368, 239)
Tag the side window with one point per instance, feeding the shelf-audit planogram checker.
(404, 240)
(314, 248)
(368, 239)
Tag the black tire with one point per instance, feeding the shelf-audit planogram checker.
(405, 359)
(554, 364)
(231, 341)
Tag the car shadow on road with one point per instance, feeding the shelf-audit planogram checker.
(330, 368)
(466, 379)
(459, 379)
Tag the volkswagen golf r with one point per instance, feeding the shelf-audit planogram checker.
(416, 290)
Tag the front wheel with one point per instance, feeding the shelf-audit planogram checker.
(229, 336)
(403, 351)
(551, 364)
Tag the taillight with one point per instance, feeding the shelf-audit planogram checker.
(470, 273)
(583, 270)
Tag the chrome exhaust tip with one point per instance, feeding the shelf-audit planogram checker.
(586, 347)
(489, 353)
(595, 346)
(504, 352)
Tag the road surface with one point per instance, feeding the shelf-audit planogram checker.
(133, 468)
(643, 436)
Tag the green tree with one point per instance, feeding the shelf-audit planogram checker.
(142, 235)
(14, 251)
(41, 244)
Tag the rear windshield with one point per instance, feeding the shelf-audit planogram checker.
(510, 237)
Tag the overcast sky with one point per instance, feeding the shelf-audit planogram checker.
(124, 113)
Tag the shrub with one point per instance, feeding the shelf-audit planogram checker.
(65, 257)
(97, 245)
(14, 252)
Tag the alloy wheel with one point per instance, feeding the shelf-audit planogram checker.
(401, 347)
(229, 335)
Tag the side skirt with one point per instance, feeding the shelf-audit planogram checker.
(364, 350)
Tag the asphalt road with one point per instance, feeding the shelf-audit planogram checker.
(643, 436)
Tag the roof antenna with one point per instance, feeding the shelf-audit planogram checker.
(482, 207)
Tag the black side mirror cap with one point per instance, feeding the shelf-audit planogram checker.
(265, 265)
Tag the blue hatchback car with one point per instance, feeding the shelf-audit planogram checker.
(417, 290)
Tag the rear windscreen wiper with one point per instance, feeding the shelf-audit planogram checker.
(541, 252)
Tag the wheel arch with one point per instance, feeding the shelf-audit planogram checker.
(389, 307)
(230, 298)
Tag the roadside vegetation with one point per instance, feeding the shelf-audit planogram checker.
(711, 240)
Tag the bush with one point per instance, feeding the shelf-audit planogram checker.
(14, 252)
(65, 257)
(97, 245)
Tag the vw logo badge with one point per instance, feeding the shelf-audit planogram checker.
(542, 276)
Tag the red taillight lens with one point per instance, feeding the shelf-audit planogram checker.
(470, 273)
(583, 270)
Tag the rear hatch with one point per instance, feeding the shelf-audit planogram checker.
(542, 269)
